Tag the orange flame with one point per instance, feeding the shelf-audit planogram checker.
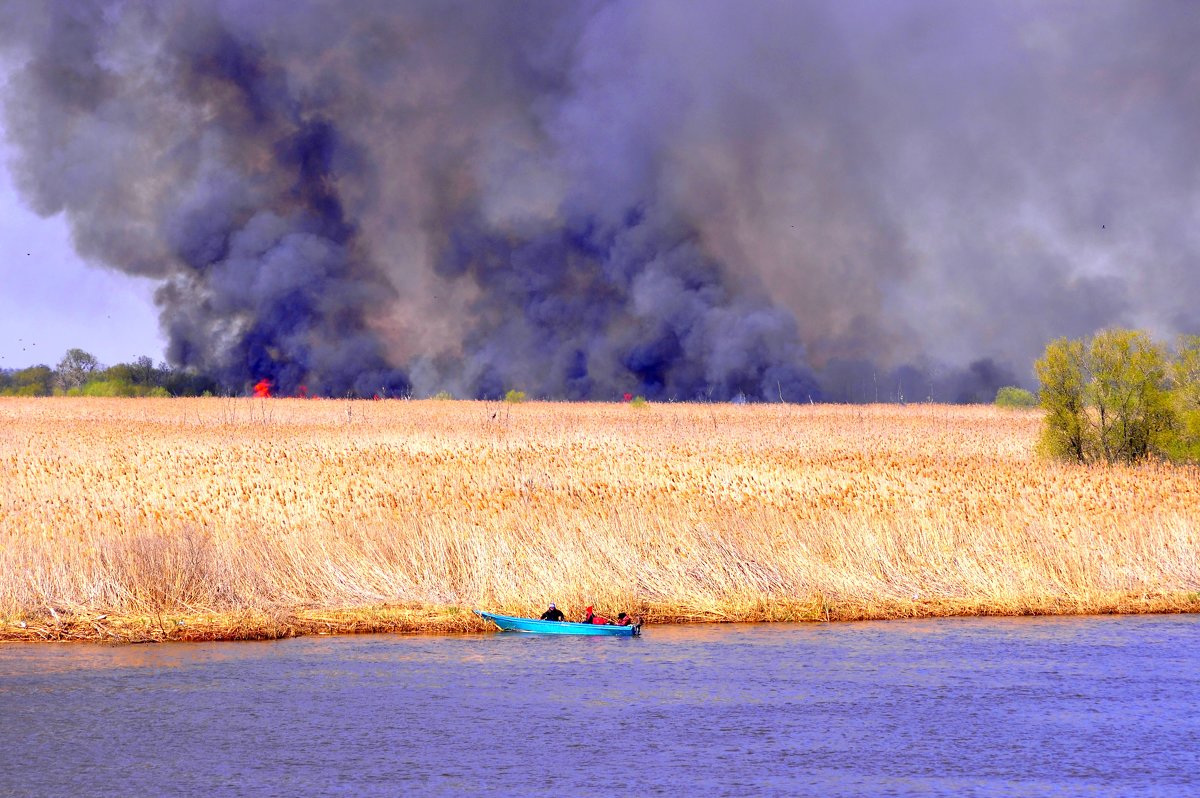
(262, 389)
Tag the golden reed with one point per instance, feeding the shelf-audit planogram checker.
(240, 518)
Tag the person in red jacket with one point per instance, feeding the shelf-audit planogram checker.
(592, 617)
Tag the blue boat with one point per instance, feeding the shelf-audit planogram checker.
(507, 623)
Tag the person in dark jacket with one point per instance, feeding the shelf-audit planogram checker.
(553, 614)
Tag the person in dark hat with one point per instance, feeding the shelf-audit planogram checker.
(553, 614)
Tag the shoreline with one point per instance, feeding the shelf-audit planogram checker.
(262, 625)
(205, 519)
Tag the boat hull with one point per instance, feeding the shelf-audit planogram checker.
(508, 623)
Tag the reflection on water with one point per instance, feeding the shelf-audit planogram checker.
(1089, 706)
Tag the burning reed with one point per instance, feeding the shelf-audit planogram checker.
(218, 518)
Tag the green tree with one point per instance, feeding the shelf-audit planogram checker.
(144, 372)
(105, 387)
(1012, 396)
(116, 387)
(1108, 398)
(75, 368)
(121, 372)
(1129, 391)
(32, 381)
(1063, 377)
(1185, 373)
(1186, 370)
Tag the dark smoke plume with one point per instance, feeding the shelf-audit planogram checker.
(851, 201)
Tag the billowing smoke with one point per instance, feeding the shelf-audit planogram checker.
(854, 201)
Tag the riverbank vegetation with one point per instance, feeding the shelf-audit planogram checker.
(80, 373)
(241, 518)
(1014, 397)
(1120, 397)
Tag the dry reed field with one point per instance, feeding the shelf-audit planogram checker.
(238, 518)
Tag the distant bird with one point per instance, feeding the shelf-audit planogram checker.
(1103, 227)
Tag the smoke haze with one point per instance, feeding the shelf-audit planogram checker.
(841, 201)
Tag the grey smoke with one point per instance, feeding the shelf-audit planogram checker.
(850, 201)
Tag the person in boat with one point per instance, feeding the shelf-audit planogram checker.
(553, 614)
(625, 620)
(592, 617)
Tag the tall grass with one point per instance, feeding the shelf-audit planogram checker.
(248, 517)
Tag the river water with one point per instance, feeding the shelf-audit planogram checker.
(979, 707)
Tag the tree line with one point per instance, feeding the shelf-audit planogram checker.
(1115, 397)
(79, 373)
(1120, 397)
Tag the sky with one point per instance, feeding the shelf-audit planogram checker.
(51, 301)
(776, 200)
